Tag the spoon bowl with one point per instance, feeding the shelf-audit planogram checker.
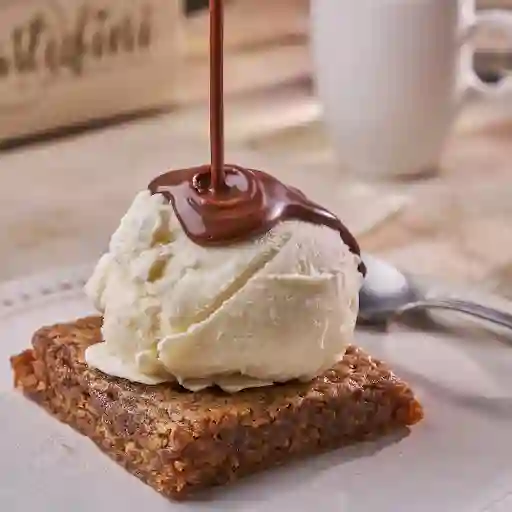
(387, 293)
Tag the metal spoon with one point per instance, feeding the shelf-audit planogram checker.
(387, 293)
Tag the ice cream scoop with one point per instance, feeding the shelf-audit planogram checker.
(275, 307)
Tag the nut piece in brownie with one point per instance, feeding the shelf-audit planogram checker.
(177, 441)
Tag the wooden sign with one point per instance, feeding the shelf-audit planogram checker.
(64, 62)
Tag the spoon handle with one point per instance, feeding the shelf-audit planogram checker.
(470, 308)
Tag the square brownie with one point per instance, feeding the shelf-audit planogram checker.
(178, 441)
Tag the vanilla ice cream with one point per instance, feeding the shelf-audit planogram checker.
(279, 307)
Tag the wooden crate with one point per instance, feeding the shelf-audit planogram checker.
(67, 62)
(64, 62)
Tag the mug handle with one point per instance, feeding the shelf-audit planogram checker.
(471, 84)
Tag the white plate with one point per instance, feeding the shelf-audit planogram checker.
(459, 459)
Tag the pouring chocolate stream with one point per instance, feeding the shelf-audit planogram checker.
(218, 204)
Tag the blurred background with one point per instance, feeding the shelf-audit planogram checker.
(99, 96)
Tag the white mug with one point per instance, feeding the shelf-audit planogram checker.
(393, 74)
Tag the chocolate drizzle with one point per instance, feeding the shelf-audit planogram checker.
(251, 203)
(220, 204)
(217, 95)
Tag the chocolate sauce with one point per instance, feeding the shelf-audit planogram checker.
(251, 203)
(217, 94)
(220, 204)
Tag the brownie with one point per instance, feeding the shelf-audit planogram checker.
(178, 441)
